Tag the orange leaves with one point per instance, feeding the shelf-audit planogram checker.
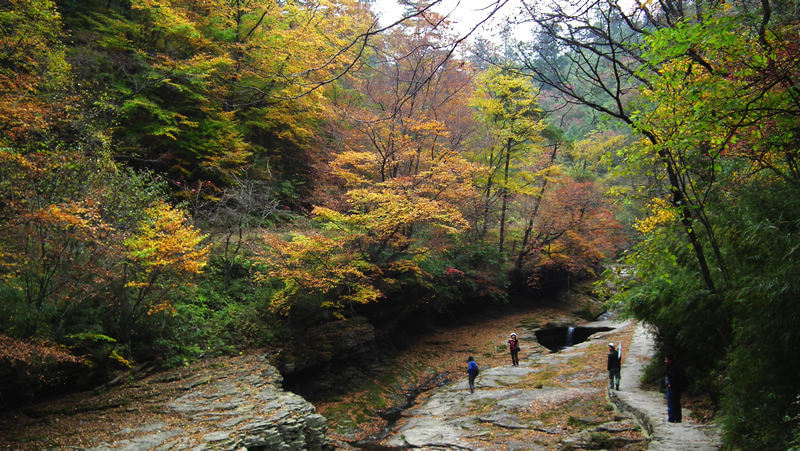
(33, 66)
(416, 181)
(163, 306)
(55, 253)
(80, 221)
(575, 228)
(353, 167)
(29, 352)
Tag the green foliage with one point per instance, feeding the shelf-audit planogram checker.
(716, 267)
(102, 351)
(762, 377)
(482, 279)
(65, 271)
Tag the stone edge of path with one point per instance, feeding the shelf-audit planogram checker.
(639, 415)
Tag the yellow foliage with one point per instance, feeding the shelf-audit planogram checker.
(406, 266)
(162, 306)
(353, 167)
(592, 149)
(661, 213)
(321, 266)
(121, 360)
(166, 242)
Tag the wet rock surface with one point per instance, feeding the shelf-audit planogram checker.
(225, 403)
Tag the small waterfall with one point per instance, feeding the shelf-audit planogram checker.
(557, 338)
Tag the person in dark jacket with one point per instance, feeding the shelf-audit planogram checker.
(614, 365)
(472, 370)
(513, 348)
(675, 381)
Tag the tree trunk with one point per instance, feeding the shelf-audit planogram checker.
(505, 196)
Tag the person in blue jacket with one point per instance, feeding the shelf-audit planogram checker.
(472, 370)
(676, 382)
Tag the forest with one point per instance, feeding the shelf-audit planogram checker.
(189, 178)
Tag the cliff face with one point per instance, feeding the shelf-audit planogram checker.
(224, 403)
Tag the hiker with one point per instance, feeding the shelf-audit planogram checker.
(675, 381)
(614, 365)
(513, 348)
(472, 370)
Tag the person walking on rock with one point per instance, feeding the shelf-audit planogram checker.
(513, 348)
(472, 370)
(614, 365)
(675, 382)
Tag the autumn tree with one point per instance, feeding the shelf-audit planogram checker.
(507, 104)
(161, 255)
(33, 68)
(399, 184)
(83, 238)
(202, 91)
(718, 117)
(386, 230)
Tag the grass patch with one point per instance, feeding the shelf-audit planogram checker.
(541, 379)
(482, 405)
(603, 440)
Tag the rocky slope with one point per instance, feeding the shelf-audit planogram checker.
(222, 403)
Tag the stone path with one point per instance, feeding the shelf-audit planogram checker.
(649, 407)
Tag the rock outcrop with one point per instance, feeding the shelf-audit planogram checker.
(244, 408)
(224, 403)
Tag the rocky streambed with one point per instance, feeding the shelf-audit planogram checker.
(553, 400)
(549, 401)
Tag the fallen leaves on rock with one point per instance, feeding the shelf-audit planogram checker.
(446, 352)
